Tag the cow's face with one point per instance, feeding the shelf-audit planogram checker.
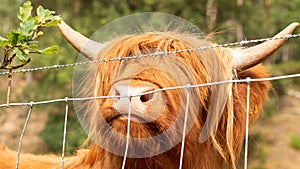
(157, 118)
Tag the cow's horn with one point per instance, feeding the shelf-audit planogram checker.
(82, 44)
(249, 57)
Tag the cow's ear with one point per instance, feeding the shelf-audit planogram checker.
(82, 44)
(249, 57)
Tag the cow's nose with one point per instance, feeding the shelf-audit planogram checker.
(144, 107)
(134, 92)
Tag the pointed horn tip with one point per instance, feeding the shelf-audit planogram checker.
(295, 24)
(59, 23)
(290, 28)
(249, 57)
(62, 22)
(82, 44)
(62, 25)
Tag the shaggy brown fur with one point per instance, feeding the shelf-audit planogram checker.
(220, 150)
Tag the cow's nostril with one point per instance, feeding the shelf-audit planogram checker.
(117, 93)
(146, 97)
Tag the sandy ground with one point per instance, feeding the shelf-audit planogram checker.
(11, 124)
(12, 119)
(273, 150)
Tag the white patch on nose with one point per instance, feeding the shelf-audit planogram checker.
(147, 106)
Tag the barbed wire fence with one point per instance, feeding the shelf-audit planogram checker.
(187, 87)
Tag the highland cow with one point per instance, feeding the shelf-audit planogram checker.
(153, 114)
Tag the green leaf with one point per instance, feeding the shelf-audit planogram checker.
(3, 42)
(2, 39)
(43, 14)
(53, 22)
(25, 11)
(34, 47)
(49, 50)
(27, 27)
(40, 11)
(22, 40)
(12, 37)
(45, 17)
(22, 55)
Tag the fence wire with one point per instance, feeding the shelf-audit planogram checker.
(31, 104)
(163, 53)
(247, 122)
(66, 100)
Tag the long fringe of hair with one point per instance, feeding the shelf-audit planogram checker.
(222, 120)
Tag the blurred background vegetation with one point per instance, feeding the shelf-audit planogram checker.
(234, 20)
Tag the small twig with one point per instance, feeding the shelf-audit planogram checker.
(9, 88)
(10, 60)
(5, 61)
(22, 64)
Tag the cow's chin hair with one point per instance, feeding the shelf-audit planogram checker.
(142, 135)
(137, 129)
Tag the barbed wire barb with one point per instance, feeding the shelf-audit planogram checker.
(162, 53)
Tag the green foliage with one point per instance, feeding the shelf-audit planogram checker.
(263, 153)
(23, 41)
(271, 107)
(289, 67)
(285, 68)
(25, 11)
(295, 141)
(53, 134)
(260, 167)
(258, 150)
